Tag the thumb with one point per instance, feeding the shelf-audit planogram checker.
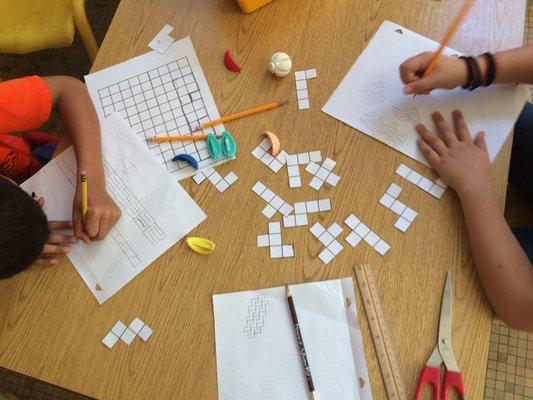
(479, 141)
(420, 86)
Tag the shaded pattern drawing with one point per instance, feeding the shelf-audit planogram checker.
(132, 206)
(255, 320)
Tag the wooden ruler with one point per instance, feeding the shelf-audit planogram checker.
(380, 333)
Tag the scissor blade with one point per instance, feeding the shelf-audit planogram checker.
(445, 326)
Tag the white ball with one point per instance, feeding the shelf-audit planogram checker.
(280, 64)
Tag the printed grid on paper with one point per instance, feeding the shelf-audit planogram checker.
(164, 101)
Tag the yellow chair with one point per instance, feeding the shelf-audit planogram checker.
(32, 25)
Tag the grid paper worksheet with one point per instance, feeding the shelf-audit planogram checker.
(160, 95)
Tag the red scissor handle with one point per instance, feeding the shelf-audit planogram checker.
(453, 380)
(429, 375)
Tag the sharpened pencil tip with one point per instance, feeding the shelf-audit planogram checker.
(288, 291)
(314, 396)
(282, 103)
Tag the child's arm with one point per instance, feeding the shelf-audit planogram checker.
(503, 268)
(71, 99)
(512, 66)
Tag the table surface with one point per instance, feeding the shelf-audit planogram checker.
(50, 324)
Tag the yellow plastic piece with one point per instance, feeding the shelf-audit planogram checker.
(27, 26)
(200, 245)
(251, 5)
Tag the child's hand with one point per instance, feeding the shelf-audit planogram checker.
(449, 73)
(56, 243)
(462, 163)
(102, 214)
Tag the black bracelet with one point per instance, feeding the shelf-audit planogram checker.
(470, 76)
(478, 79)
(491, 68)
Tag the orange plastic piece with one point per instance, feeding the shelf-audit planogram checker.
(251, 5)
(274, 141)
(230, 63)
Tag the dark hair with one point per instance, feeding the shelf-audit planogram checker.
(23, 229)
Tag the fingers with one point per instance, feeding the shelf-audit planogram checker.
(430, 154)
(55, 249)
(444, 129)
(46, 261)
(53, 225)
(431, 139)
(40, 201)
(479, 141)
(61, 239)
(422, 85)
(461, 128)
(411, 69)
(91, 224)
(78, 227)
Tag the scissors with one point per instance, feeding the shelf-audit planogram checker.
(442, 353)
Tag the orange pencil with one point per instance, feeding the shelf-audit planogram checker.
(242, 114)
(448, 37)
(185, 138)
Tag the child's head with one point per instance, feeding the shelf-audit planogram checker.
(23, 229)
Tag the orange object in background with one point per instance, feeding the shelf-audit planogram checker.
(251, 5)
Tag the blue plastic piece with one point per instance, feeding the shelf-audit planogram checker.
(188, 159)
(213, 146)
(229, 146)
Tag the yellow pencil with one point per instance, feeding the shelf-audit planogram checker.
(448, 37)
(184, 138)
(242, 114)
(84, 204)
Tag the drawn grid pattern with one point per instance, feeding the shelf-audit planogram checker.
(132, 206)
(117, 237)
(255, 319)
(164, 101)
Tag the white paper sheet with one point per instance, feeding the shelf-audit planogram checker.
(160, 95)
(257, 354)
(370, 97)
(156, 210)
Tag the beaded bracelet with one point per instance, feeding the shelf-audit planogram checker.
(491, 68)
(474, 75)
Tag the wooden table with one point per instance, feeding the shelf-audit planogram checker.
(50, 324)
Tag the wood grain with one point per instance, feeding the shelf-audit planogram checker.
(51, 326)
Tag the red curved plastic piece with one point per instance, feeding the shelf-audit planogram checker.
(230, 63)
(432, 376)
(453, 380)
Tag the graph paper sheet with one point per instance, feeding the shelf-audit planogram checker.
(257, 354)
(156, 210)
(160, 94)
(370, 98)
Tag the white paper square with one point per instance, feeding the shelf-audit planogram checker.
(324, 205)
(299, 75)
(289, 221)
(293, 170)
(353, 239)
(316, 183)
(437, 191)
(312, 168)
(403, 170)
(402, 224)
(352, 221)
(371, 238)
(394, 190)
(398, 207)
(301, 85)
(258, 188)
(287, 251)
(335, 247)
(322, 173)
(311, 73)
(136, 325)
(301, 219)
(409, 214)
(312, 206)
(285, 209)
(119, 328)
(145, 333)
(326, 256)
(329, 164)
(262, 241)
(275, 239)
(109, 340)
(303, 104)
(333, 179)
(276, 202)
(362, 230)
(317, 229)
(425, 184)
(382, 247)
(335, 229)
(300, 208)
(414, 177)
(269, 211)
(315, 156)
(386, 200)
(274, 227)
(128, 336)
(326, 238)
(276, 252)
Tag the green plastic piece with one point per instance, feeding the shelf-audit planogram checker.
(229, 146)
(213, 146)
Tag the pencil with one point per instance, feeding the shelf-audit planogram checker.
(184, 138)
(299, 340)
(84, 205)
(448, 37)
(242, 114)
